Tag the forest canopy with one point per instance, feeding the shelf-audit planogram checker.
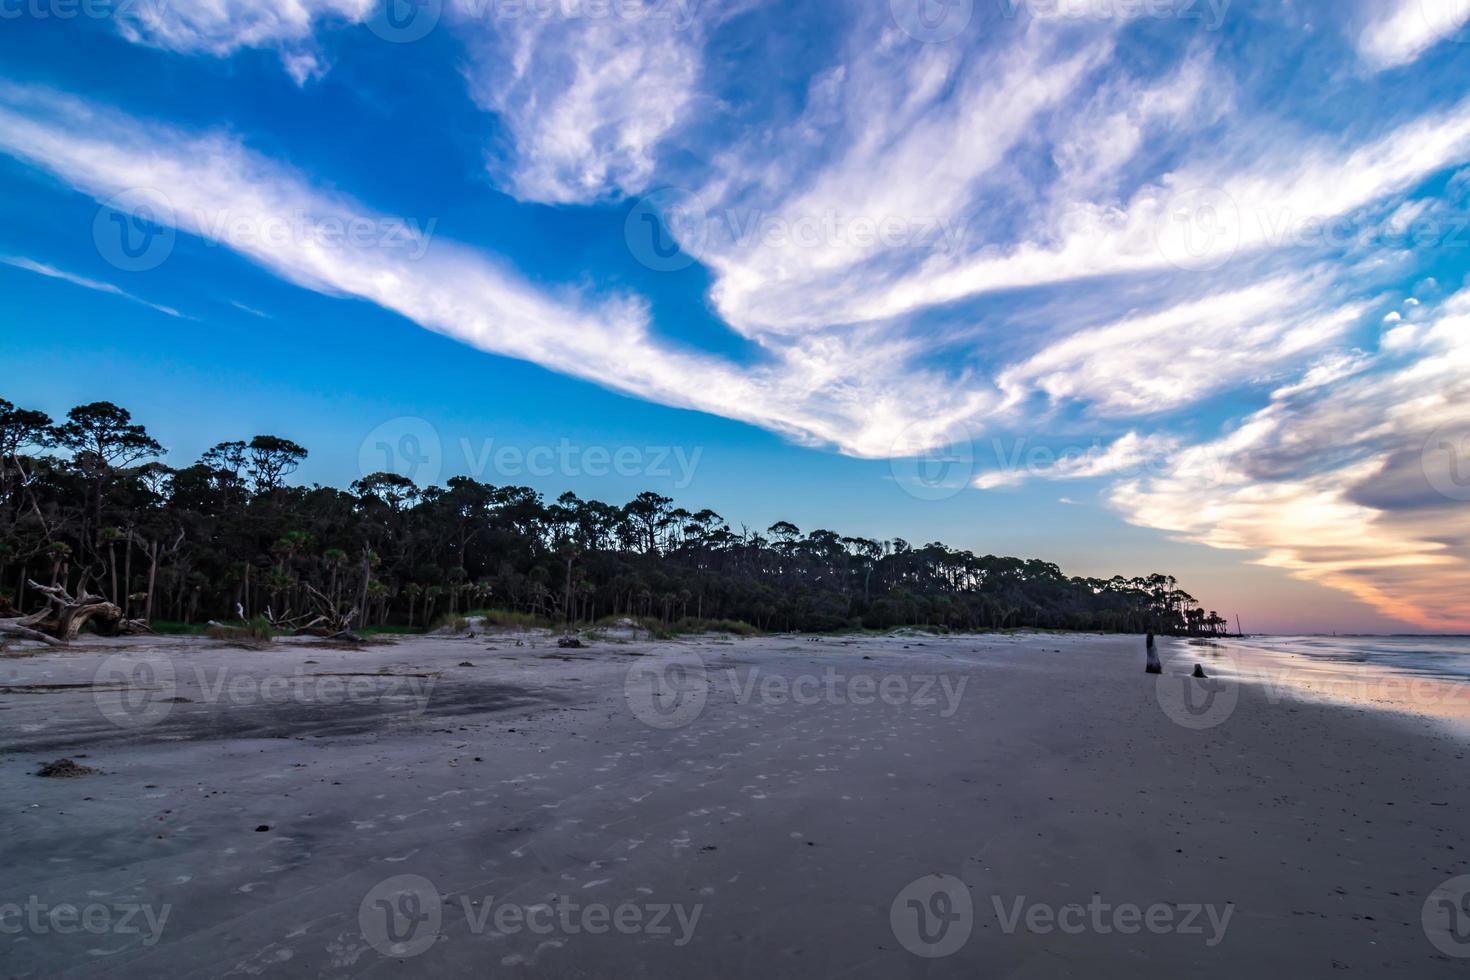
(86, 504)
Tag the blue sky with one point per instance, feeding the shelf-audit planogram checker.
(1130, 285)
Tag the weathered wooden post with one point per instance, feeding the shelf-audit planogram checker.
(1154, 667)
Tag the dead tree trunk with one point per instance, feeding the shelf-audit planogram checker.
(64, 616)
(69, 615)
(152, 580)
(331, 617)
(327, 619)
(128, 575)
(22, 626)
(364, 602)
(1154, 667)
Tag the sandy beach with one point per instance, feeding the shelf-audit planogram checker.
(1026, 805)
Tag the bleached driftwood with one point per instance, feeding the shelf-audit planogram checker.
(64, 615)
(331, 617)
(326, 619)
(67, 615)
(23, 627)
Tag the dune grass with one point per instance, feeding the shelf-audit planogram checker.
(258, 629)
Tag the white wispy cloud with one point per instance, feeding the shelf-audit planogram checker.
(208, 185)
(51, 272)
(1196, 218)
(585, 100)
(907, 136)
(250, 309)
(222, 27)
(1399, 31)
(1130, 454)
(1356, 477)
(1182, 354)
(586, 92)
(927, 175)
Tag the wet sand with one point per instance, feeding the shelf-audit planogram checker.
(780, 807)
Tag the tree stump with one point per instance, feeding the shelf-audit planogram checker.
(1154, 666)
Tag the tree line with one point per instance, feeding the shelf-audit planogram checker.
(87, 504)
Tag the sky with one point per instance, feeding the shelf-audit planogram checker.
(1128, 285)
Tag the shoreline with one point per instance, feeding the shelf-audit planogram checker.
(1286, 674)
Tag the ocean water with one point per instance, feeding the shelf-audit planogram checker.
(1427, 676)
(1445, 657)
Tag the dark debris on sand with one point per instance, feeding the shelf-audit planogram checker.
(65, 769)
